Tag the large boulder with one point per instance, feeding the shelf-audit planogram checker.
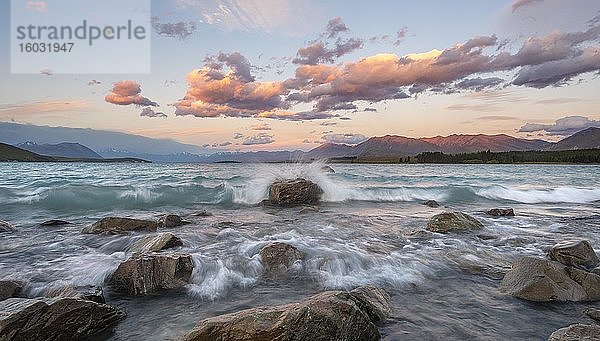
(452, 222)
(171, 220)
(279, 257)
(542, 280)
(575, 253)
(501, 212)
(294, 192)
(10, 289)
(374, 301)
(577, 332)
(85, 292)
(24, 319)
(142, 274)
(331, 315)
(155, 243)
(5, 226)
(115, 225)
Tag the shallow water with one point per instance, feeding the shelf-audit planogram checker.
(442, 286)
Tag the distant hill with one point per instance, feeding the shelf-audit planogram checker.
(10, 153)
(64, 149)
(473, 143)
(585, 139)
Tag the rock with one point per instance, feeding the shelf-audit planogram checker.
(596, 270)
(374, 301)
(155, 243)
(418, 234)
(24, 319)
(146, 273)
(5, 226)
(294, 192)
(115, 225)
(309, 209)
(593, 313)
(203, 213)
(279, 257)
(171, 220)
(575, 253)
(576, 332)
(55, 222)
(431, 203)
(86, 292)
(453, 222)
(327, 169)
(331, 315)
(10, 289)
(541, 280)
(501, 212)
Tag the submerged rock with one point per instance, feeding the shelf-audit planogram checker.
(501, 212)
(331, 315)
(155, 243)
(171, 220)
(5, 226)
(279, 257)
(10, 289)
(431, 203)
(54, 318)
(115, 225)
(146, 273)
(576, 332)
(55, 222)
(294, 192)
(575, 253)
(203, 213)
(453, 222)
(327, 169)
(86, 292)
(593, 313)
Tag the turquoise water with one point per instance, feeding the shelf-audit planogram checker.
(443, 286)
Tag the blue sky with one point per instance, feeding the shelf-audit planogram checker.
(421, 98)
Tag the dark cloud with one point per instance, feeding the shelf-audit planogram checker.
(181, 30)
(334, 27)
(47, 72)
(94, 82)
(400, 35)
(563, 126)
(345, 138)
(520, 3)
(222, 144)
(237, 136)
(370, 109)
(126, 93)
(261, 138)
(479, 83)
(318, 52)
(148, 112)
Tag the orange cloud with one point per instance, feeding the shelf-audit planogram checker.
(126, 93)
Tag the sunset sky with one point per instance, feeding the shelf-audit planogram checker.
(270, 75)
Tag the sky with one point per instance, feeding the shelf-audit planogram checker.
(273, 75)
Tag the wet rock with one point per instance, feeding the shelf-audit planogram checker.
(86, 292)
(203, 213)
(146, 273)
(115, 225)
(453, 222)
(418, 234)
(575, 253)
(480, 262)
(541, 280)
(327, 169)
(171, 220)
(10, 289)
(309, 209)
(596, 270)
(23, 319)
(576, 332)
(5, 226)
(374, 301)
(279, 257)
(294, 192)
(331, 315)
(55, 222)
(593, 313)
(501, 212)
(431, 203)
(155, 243)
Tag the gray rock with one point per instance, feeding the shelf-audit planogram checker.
(142, 274)
(171, 220)
(5, 226)
(431, 203)
(593, 313)
(331, 315)
(60, 319)
(374, 301)
(203, 213)
(309, 209)
(575, 253)
(453, 222)
(501, 212)
(279, 257)
(327, 169)
(155, 243)
(577, 332)
(10, 289)
(115, 225)
(55, 222)
(294, 192)
(86, 292)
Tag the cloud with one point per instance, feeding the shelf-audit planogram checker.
(33, 108)
(94, 82)
(40, 6)
(479, 84)
(497, 118)
(334, 27)
(370, 109)
(126, 93)
(237, 136)
(563, 126)
(47, 72)
(561, 100)
(345, 138)
(222, 144)
(261, 138)
(520, 3)
(148, 112)
(261, 126)
(400, 35)
(181, 30)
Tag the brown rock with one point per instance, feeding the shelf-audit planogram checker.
(5, 226)
(115, 225)
(453, 222)
(86, 292)
(278, 257)
(10, 289)
(374, 301)
(575, 253)
(155, 243)
(501, 212)
(593, 313)
(294, 192)
(431, 203)
(171, 220)
(576, 332)
(146, 273)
